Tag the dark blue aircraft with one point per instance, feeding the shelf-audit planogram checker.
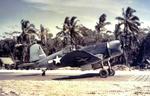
(87, 58)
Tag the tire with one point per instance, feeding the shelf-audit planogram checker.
(111, 72)
(103, 73)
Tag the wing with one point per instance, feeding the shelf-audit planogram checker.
(27, 65)
(78, 58)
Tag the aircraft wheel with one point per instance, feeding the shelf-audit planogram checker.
(111, 72)
(103, 73)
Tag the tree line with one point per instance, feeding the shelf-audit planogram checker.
(134, 39)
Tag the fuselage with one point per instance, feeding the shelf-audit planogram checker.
(85, 55)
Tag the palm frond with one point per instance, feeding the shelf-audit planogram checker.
(60, 34)
(133, 18)
(72, 20)
(129, 12)
(75, 23)
(120, 18)
(66, 21)
(58, 27)
(133, 28)
(137, 23)
(106, 23)
(102, 18)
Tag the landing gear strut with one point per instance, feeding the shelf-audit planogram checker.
(104, 73)
(44, 72)
(111, 72)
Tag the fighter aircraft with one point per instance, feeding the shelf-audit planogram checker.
(87, 58)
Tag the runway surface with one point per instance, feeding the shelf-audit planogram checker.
(73, 83)
(133, 75)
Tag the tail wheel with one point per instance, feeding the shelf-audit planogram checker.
(111, 72)
(103, 73)
(43, 73)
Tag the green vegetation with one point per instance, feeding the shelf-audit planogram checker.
(127, 30)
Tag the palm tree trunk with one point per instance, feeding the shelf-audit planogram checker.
(125, 50)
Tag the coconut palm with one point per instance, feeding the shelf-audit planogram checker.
(130, 30)
(43, 35)
(117, 31)
(24, 24)
(100, 28)
(131, 23)
(64, 37)
(69, 31)
(74, 33)
(102, 23)
(64, 33)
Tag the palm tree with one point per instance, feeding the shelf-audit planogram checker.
(100, 26)
(130, 31)
(24, 24)
(88, 35)
(24, 38)
(74, 33)
(42, 35)
(130, 22)
(64, 33)
(117, 31)
(64, 36)
(69, 31)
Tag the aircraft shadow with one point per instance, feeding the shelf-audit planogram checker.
(6, 73)
(88, 75)
(28, 75)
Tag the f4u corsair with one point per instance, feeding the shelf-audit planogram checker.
(89, 57)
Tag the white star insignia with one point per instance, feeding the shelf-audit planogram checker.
(57, 60)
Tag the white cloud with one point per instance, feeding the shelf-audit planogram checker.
(109, 5)
(81, 7)
(78, 7)
(88, 11)
(37, 1)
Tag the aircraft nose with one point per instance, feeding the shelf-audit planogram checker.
(115, 48)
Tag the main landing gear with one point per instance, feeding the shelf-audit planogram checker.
(104, 73)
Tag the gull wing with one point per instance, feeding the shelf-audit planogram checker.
(78, 58)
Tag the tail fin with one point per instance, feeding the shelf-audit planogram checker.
(36, 53)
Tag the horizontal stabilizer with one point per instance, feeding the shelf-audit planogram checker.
(26, 65)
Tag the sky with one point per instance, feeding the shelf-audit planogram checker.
(51, 13)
